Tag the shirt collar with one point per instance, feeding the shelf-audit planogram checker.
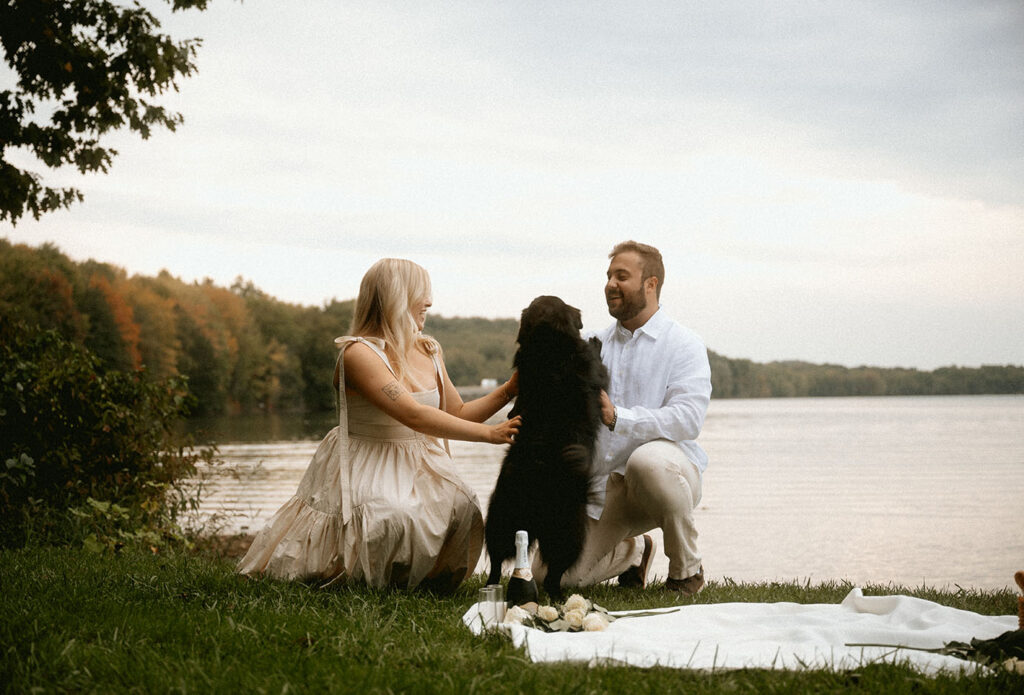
(654, 326)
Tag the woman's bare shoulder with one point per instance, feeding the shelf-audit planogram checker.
(359, 352)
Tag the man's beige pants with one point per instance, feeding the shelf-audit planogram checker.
(660, 489)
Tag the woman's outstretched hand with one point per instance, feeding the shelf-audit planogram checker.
(506, 431)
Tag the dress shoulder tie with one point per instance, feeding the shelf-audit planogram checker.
(345, 469)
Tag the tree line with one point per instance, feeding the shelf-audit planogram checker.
(739, 378)
(244, 351)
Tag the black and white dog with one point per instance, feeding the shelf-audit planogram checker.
(542, 487)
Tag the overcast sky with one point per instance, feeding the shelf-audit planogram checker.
(831, 182)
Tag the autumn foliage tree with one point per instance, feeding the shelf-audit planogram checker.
(84, 68)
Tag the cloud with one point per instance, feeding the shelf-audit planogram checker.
(827, 182)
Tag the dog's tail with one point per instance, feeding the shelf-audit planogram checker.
(577, 458)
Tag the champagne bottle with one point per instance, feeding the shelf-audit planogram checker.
(522, 590)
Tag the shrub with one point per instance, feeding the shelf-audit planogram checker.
(78, 438)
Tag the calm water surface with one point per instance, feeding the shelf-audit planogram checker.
(909, 490)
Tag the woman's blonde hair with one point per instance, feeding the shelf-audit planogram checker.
(387, 294)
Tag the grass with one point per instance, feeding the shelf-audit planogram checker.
(74, 621)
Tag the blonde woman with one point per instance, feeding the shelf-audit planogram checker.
(381, 502)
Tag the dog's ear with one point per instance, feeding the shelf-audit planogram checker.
(522, 327)
(526, 321)
(577, 318)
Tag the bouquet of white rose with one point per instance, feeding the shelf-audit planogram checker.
(577, 614)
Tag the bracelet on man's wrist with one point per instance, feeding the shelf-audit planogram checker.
(615, 418)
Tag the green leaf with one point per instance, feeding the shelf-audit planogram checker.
(102, 507)
(93, 545)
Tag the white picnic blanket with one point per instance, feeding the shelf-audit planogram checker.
(770, 635)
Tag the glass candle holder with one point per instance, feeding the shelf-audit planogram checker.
(498, 601)
(485, 606)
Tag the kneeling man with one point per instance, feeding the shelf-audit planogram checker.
(647, 467)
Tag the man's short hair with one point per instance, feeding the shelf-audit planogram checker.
(650, 261)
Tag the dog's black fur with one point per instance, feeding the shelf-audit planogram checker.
(542, 487)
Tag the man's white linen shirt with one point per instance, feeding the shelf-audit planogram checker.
(660, 384)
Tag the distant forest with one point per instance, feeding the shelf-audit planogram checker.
(244, 351)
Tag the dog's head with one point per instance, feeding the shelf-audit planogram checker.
(550, 314)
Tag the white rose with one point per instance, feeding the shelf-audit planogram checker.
(595, 622)
(1014, 665)
(574, 618)
(547, 613)
(577, 602)
(515, 616)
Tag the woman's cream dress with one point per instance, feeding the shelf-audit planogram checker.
(380, 503)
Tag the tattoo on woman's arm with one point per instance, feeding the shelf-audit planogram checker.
(392, 390)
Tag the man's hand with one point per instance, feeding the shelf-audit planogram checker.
(607, 409)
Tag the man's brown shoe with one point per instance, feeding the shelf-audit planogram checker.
(636, 576)
(688, 586)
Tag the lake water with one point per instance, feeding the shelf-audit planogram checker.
(909, 490)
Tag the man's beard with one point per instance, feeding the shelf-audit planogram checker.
(630, 306)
